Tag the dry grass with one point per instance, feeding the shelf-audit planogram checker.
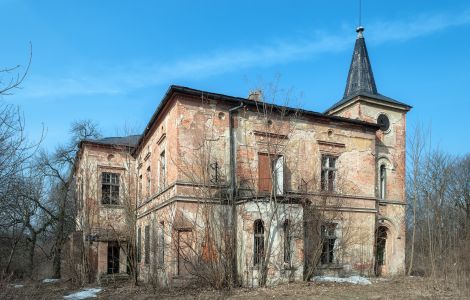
(395, 288)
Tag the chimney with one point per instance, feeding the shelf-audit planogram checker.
(256, 95)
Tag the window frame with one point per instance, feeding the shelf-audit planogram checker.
(328, 173)
(110, 197)
(328, 238)
(258, 242)
(382, 181)
(162, 170)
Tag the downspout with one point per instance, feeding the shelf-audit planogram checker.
(233, 192)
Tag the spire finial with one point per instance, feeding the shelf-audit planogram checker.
(359, 31)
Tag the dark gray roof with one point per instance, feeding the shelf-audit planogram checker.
(361, 80)
(130, 141)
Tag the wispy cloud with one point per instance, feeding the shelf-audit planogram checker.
(125, 79)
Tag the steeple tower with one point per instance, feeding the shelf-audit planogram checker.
(360, 76)
(360, 85)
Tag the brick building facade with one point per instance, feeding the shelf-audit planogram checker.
(283, 189)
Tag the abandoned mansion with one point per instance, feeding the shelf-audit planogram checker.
(224, 188)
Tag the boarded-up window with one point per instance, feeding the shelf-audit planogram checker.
(270, 173)
(147, 245)
(264, 173)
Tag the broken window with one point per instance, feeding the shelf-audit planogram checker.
(258, 249)
(147, 245)
(109, 188)
(328, 173)
(162, 174)
(270, 173)
(287, 242)
(382, 181)
(328, 239)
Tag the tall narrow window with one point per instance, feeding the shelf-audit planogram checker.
(161, 245)
(147, 245)
(278, 175)
(149, 182)
(264, 173)
(109, 188)
(382, 181)
(258, 249)
(328, 173)
(162, 174)
(328, 239)
(270, 173)
(139, 244)
(287, 242)
(140, 187)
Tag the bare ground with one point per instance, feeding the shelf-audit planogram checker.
(395, 288)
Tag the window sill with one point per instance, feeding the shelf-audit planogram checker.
(330, 266)
(112, 205)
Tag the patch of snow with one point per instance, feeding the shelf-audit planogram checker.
(17, 286)
(83, 294)
(351, 279)
(50, 280)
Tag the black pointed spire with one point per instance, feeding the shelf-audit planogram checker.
(360, 76)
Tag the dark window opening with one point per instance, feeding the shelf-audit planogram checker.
(147, 245)
(161, 245)
(162, 170)
(328, 239)
(381, 242)
(139, 244)
(149, 182)
(328, 173)
(109, 188)
(287, 242)
(258, 242)
(113, 257)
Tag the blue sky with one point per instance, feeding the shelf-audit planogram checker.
(112, 61)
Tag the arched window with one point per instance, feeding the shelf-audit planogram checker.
(287, 242)
(258, 248)
(382, 181)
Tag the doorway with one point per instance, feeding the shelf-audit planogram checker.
(184, 252)
(380, 255)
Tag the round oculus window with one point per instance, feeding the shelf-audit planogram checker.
(383, 122)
